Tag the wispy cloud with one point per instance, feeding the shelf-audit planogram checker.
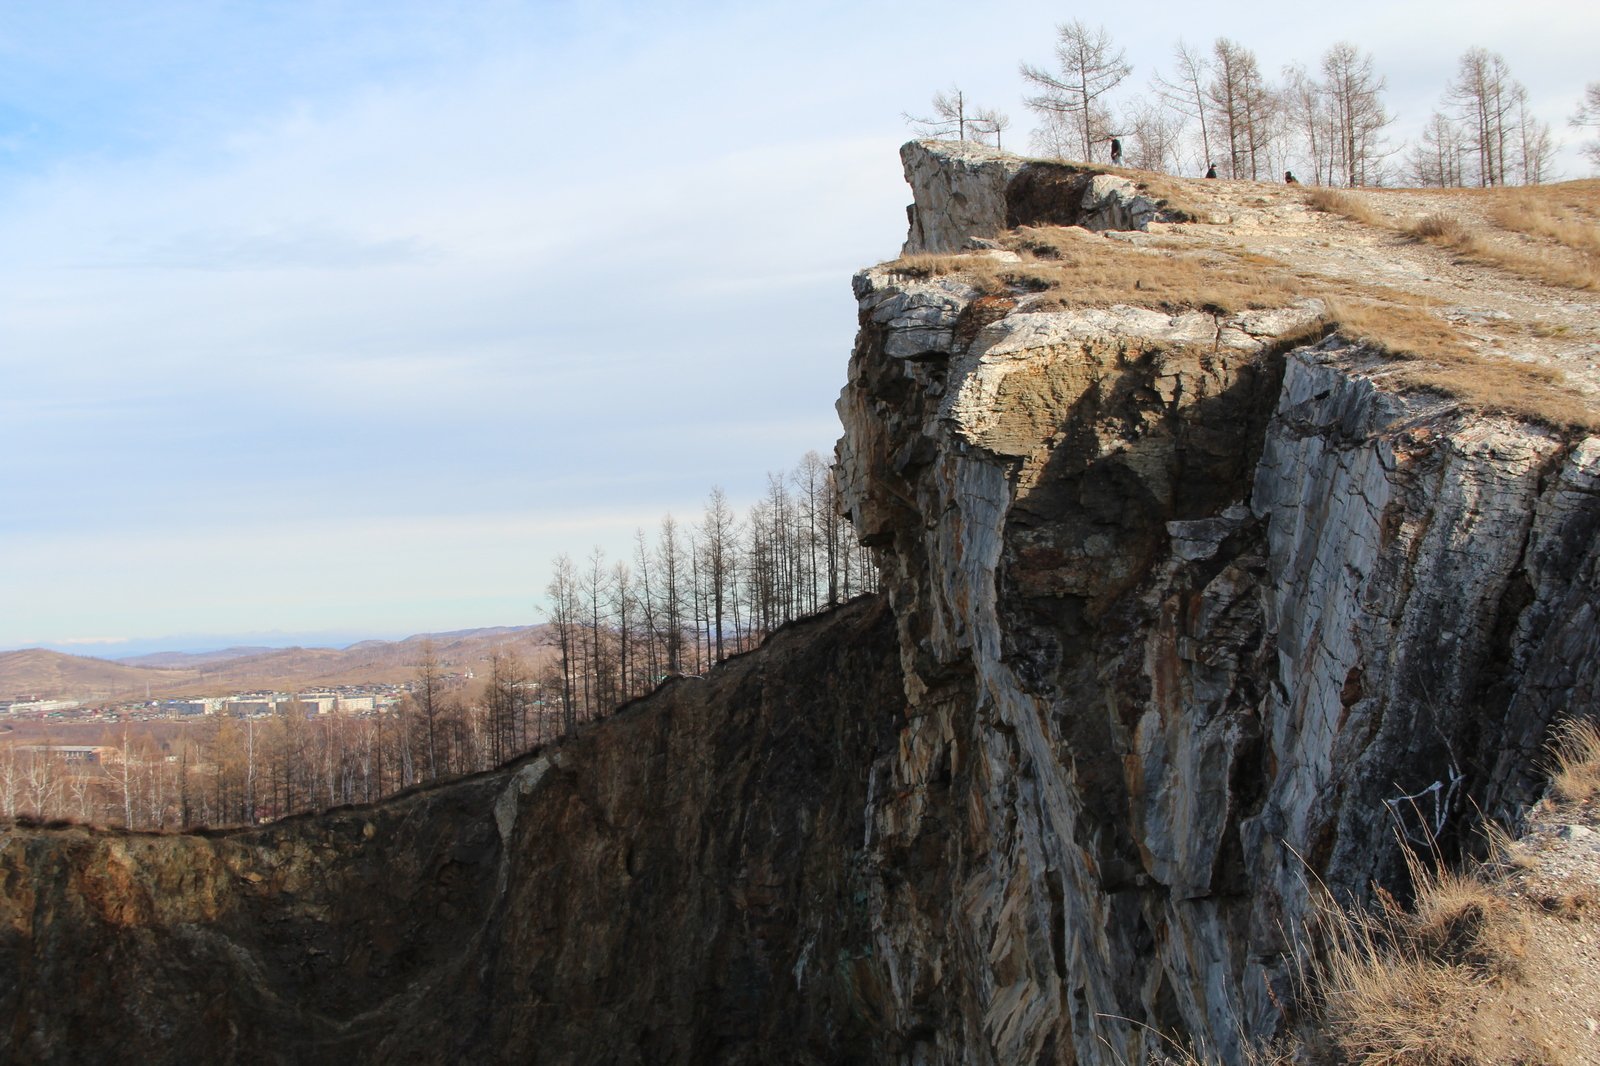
(356, 314)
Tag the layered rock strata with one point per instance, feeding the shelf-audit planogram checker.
(1193, 608)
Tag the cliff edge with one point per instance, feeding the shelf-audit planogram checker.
(1202, 592)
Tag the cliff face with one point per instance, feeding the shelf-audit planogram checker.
(1189, 610)
(1189, 603)
(681, 883)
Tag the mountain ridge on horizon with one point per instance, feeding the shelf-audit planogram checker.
(53, 674)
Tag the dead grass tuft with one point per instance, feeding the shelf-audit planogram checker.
(1576, 747)
(1421, 987)
(1346, 205)
(1442, 229)
(1572, 271)
(1435, 357)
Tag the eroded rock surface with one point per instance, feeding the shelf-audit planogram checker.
(1190, 610)
(964, 191)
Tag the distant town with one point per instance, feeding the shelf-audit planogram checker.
(341, 699)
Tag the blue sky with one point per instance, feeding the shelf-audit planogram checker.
(342, 319)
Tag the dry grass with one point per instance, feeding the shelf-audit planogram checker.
(1071, 268)
(1443, 229)
(1433, 356)
(1067, 267)
(1576, 774)
(1469, 974)
(1565, 217)
(1527, 213)
(1334, 202)
(1081, 269)
(1572, 271)
(1418, 987)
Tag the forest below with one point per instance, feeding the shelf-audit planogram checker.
(689, 598)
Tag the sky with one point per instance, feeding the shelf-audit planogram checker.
(327, 320)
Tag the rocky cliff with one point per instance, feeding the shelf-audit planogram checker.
(1195, 603)
(1195, 591)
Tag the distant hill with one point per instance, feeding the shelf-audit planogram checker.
(56, 675)
(179, 659)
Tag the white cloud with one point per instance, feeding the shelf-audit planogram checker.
(382, 267)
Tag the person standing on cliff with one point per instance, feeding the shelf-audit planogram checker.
(1116, 151)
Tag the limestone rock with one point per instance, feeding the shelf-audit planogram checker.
(1180, 611)
(959, 190)
(965, 194)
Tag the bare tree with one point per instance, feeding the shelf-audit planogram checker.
(717, 532)
(990, 123)
(1534, 144)
(1305, 107)
(1154, 135)
(1435, 160)
(1090, 67)
(1481, 95)
(1185, 92)
(1588, 117)
(649, 608)
(954, 114)
(563, 610)
(670, 565)
(427, 695)
(624, 619)
(1242, 105)
(1354, 93)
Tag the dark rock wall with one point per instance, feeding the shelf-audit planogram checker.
(1188, 609)
(684, 882)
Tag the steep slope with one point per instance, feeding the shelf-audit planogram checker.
(680, 883)
(1193, 604)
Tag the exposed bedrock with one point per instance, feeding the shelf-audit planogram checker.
(965, 191)
(1189, 610)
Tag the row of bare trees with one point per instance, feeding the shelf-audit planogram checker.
(1216, 108)
(228, 770)
(699, 592)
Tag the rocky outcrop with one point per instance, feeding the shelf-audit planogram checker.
(965, 191)
(1192, 608)
(680, 883)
